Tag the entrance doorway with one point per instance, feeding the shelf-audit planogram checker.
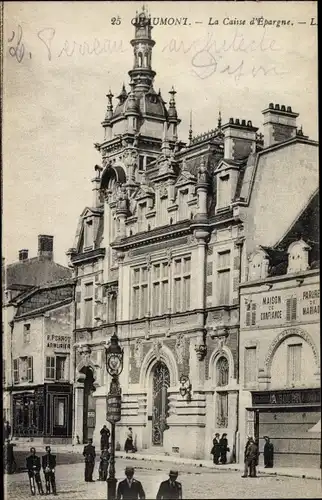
(89, 415)
(160, 384)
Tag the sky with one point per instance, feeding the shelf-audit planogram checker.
(61, 59)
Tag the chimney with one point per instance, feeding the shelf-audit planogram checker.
(46, 246)
(279, 124)
(23, 254)
(240, 139)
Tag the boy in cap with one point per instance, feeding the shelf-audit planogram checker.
(49, 465)
(170, 489)
(130, 488)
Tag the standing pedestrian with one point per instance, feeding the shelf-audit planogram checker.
(251, 458)
(130, 488)
(223, 445)
(6, 431)
(9, 459)
(89, 454)
(268, 453)
(105, 437)
(103, 468)
(129, 446)
(33, 467)
(215, 451)
(48, 466)
(170, 489)
(245, 457)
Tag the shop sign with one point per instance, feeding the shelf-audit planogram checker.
(58, 341)
(284, 398)
(113, 408)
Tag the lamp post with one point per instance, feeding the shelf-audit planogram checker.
(114, 366)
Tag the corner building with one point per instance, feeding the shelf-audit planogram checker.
(158, 257)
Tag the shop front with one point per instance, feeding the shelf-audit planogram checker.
(43, 412)
(289, 418)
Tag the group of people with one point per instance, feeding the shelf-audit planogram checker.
(48, 464)
(132, 489)
(220, 449)
(90, 454)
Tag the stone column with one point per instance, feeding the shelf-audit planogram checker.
(78, 412)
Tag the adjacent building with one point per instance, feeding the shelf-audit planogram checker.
(38, 326)
(280, 393)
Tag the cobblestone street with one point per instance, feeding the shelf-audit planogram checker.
(196, 482)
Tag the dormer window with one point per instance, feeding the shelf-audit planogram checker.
(141, 216)
(224, 191)
(258, 266)
(88, 234)
(183, 207)
(298, 257)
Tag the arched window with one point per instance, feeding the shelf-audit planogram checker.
(222, 371)
(140, 59)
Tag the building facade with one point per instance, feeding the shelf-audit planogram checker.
(38, 330)
(280, 346)
(159, 256)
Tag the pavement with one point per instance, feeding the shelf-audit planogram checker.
(197, 482)
(147, 455)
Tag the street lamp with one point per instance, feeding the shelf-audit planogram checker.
(114, 366)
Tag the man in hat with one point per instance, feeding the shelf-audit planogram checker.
(215, 451)
(251, 458)
(130, 488)
(170, 489)
(89, 454)
(48, 466)
(33, 467)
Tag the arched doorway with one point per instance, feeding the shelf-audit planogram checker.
(160, 384)
(89, 409)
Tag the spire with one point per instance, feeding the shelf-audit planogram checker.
(190, 128)
(219, 120)
(109, 110)
(123, 95)
(172, 112)
(142, 43)
(165, 148)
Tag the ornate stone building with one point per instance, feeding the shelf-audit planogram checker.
(280, 394)
(159, 255)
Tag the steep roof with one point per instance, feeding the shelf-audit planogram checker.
(34, 272)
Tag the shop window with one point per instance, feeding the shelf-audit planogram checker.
(26, 333)
(222, 409)
(50, 367)
(222, 371)
(294, 362)
(250, 365)
(59, 412)
(291, 307)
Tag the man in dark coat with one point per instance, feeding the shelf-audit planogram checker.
(170, 489)
(48, 466)
(251, 458)
(33, 467)
(223, 444)
(215, 451)
(89, 454)
(105, 437)
(268, 453)
(9, 459)
(130, 488)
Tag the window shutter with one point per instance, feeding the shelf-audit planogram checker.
(288, 309)
(30, 369)
(247, 321)
(293, 309)
(16, 371)
(253, 314)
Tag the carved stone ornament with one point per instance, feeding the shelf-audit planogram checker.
(201, 351)
(163, 192)
(169, 256)
(138, 352)
(180, 347)
(148, 261)
(130, 157)
(157, 346)
(85, 352)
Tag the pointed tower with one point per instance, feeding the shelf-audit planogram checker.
(142, 74)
